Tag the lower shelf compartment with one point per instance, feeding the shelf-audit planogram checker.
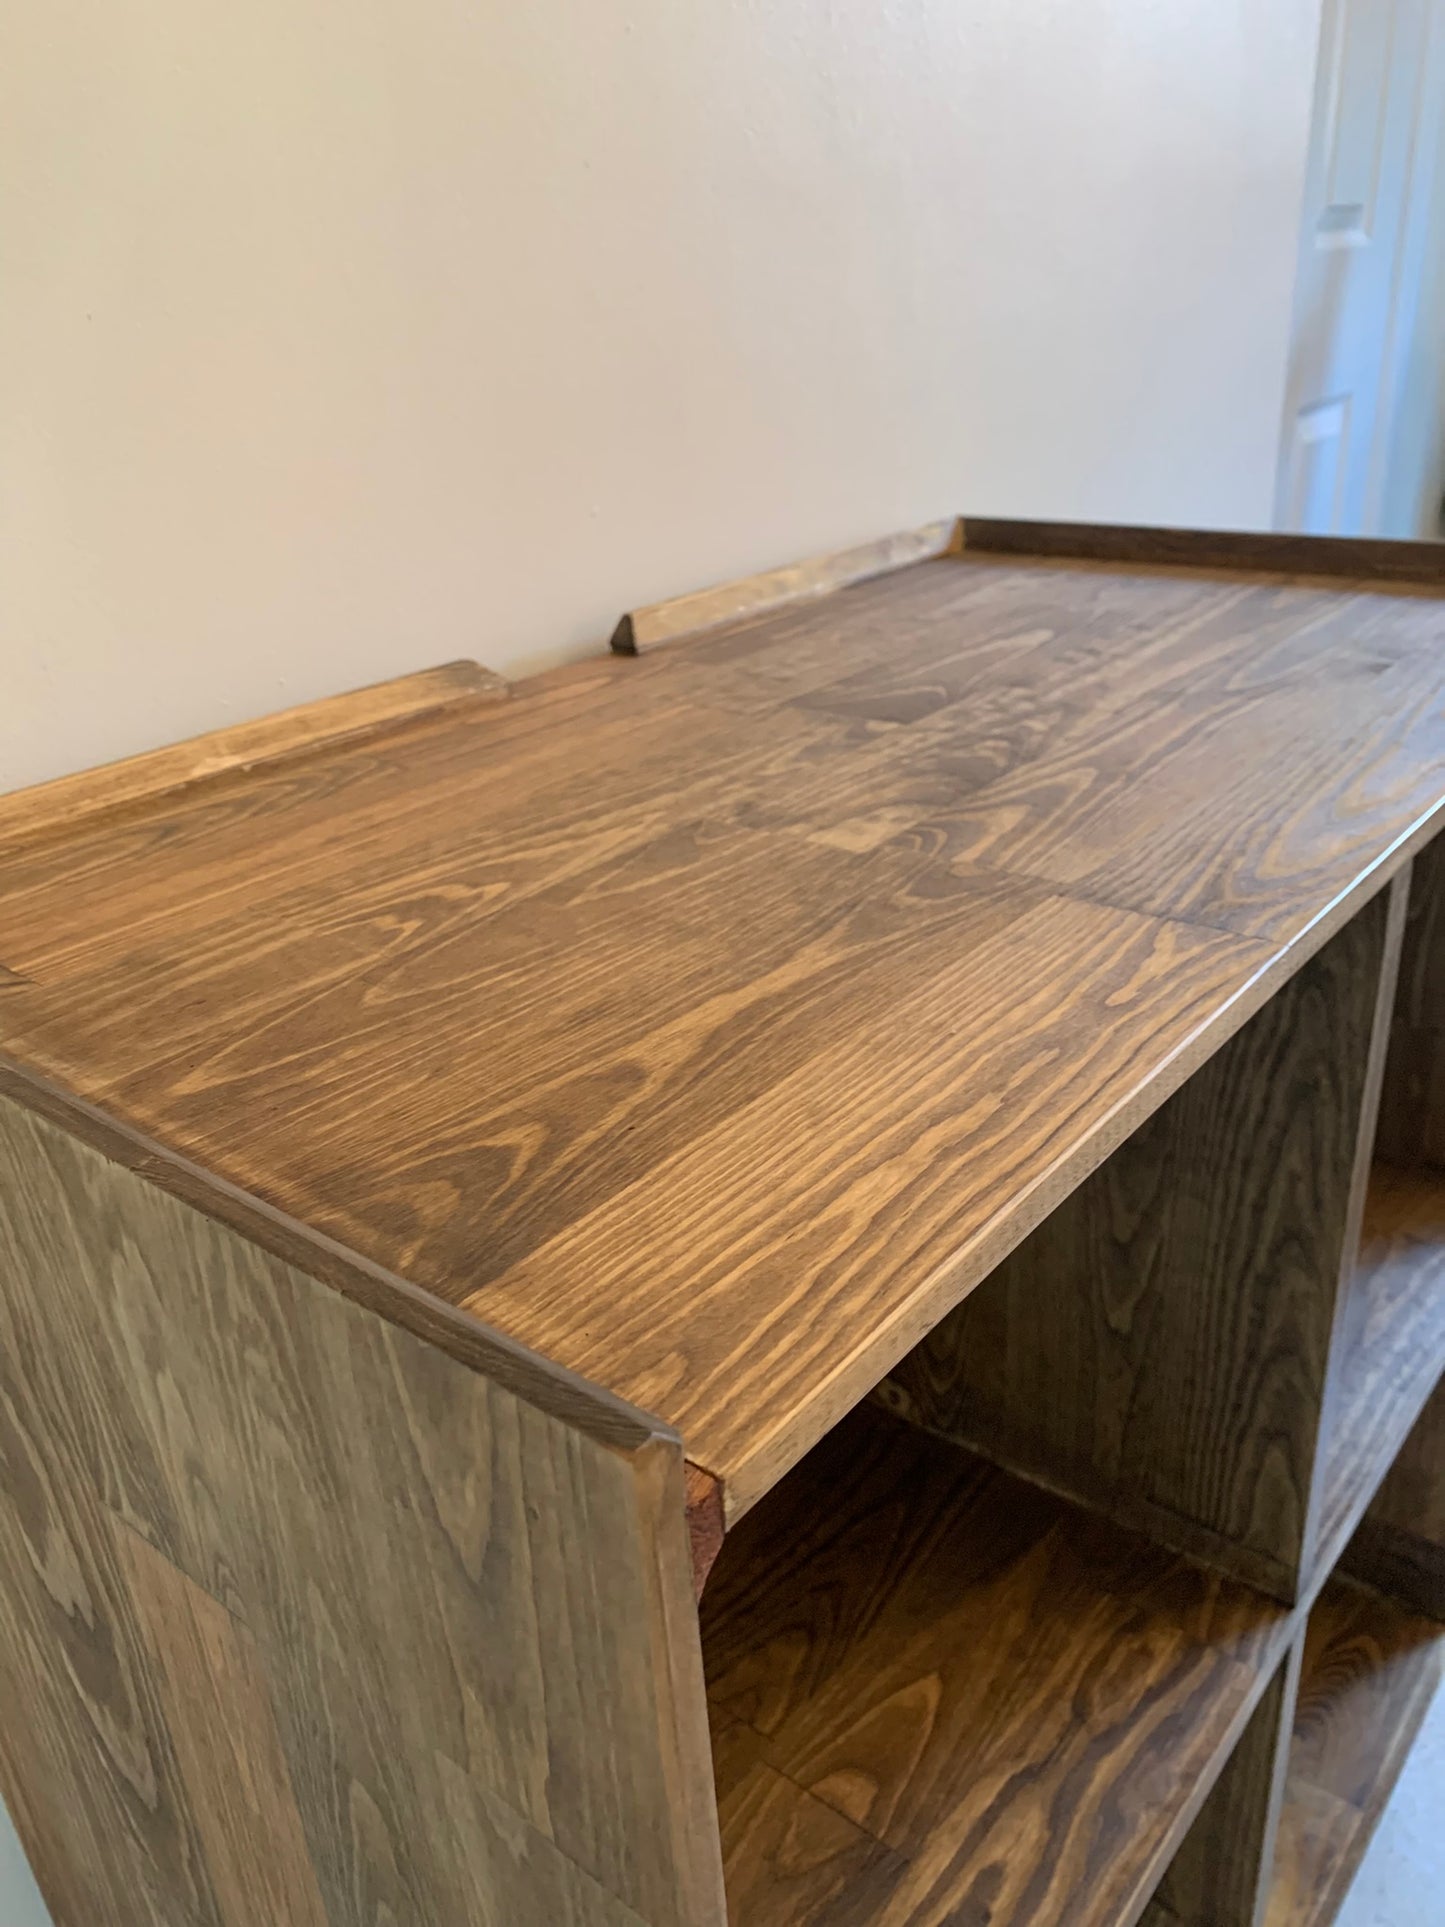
(1393, 1342)
(1370, 1672)
(943, 1695)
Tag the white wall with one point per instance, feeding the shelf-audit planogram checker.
(339, 337)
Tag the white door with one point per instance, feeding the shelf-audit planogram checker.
(1360, 259)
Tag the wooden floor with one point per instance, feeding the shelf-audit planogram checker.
(770, 985)
(1370, 1673)
(940, 1694)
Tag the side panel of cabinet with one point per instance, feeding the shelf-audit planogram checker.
(301, 1618)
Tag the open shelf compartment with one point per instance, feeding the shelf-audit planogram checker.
(1370, 1671)
(941, 1694)
(1390, 1343)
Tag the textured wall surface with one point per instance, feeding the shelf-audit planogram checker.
(339, 339)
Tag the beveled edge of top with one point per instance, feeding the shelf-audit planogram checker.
(537, 1381)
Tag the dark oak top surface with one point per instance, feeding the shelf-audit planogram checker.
(711, 1021)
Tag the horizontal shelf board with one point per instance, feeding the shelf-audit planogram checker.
(711, 1022)
(1370, 1672)
(1393, 1340)
(792, 1859)
(943, 1694)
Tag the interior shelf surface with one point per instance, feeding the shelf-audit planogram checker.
(941, 1694)
(1370, 1672)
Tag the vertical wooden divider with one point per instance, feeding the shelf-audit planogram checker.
(1317, 1557)
(1158, 1349)
(1412, 1106)
(1399, 1547)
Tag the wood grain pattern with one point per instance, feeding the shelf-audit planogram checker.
(1159, 1347)
(710, 1024)
(1412, 1109)
(791, 1860)
(583, 1407)
(628, 983)
(1129, 808)
(469, 1628)
(1023, 1704)
(704, 609)
(217, 1710)
(1362, 557)
(1394, 1342)
(1370, 1672)
(67, 801)
(749, 1207)
(1399, 1545)
(515, 1872)
(1222, 1872)
(1390, 1353)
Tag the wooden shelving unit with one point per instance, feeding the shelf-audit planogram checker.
(791, 1278)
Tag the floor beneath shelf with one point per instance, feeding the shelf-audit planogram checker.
(1402, 1876)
